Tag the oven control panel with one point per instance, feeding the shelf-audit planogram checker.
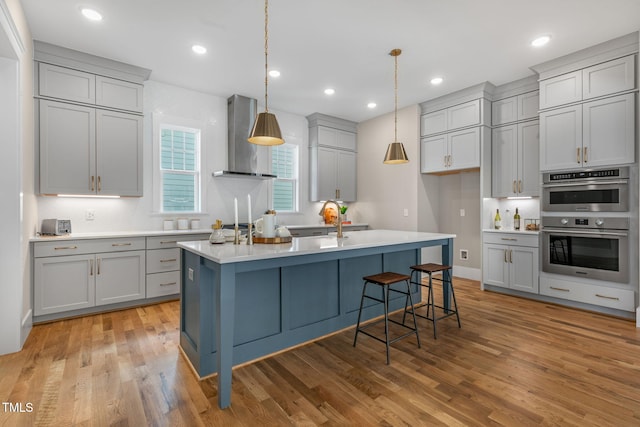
(586, 175)
(613, 223)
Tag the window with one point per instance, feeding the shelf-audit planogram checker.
(179, 169)
(284, 164)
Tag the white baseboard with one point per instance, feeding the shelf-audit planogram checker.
(25, 327)
(467, 273)
(638, 317)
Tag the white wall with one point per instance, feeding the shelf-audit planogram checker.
(209, 113)
(385, 191)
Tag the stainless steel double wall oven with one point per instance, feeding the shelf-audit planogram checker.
(586, 224)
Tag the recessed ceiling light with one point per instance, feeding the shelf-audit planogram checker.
(274, 73)
(540, 41)
(436, 80)
(329, 91)
(91, 14)
(200, 50)
(372, 105)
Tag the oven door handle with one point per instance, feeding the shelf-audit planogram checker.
(595, 233)
(584, 183)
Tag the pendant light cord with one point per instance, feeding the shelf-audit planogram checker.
(266, 55)
(395, 130)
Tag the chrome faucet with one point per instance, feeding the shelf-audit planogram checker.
(338, 224)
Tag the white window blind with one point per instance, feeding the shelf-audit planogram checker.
(180, 169)
(284, 164)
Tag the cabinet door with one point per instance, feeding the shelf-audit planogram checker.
(528, 159)
(67, 148)
(463, 115)
(433, 123)
(118, 94)
(504, 145)
(528, 104)
(346, 176)
(504, 111)
(561, 90)
(120, 277)
(65, 83)
(63, 283)
(609, 77)
(523, 266)
(433, 154)
(561, 138)
(336, 138)
(609, 131)
(119, 153)
(495, 265)
(327, 173)
(464, 149)
(346, 140)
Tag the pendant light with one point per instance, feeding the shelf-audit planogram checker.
(395, 152)
(266, 130)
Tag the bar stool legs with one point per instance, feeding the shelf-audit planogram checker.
(447, 287)
(384, 281)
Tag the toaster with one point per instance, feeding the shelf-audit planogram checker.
(56, 227)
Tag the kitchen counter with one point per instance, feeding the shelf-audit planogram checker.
(242, 302)
(119, 234)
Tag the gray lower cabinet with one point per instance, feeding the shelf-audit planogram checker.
(510, 260)
(79, 274)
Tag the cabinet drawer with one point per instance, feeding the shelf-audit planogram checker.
(160, 284)
(171, 241)
(74, 247)
(118, 94)
(620, 299)
(160, 260)
(511, 239)
(65, 83)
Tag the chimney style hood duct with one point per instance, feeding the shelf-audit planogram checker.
(242, 155)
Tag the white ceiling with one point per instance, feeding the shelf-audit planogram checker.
(339, 43)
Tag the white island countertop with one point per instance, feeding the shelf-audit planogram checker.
(230, 253)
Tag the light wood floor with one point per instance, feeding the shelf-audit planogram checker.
(515, 362)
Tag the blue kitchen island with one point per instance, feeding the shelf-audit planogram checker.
(243, 302)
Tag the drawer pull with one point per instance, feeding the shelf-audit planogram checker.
(120, 244)
(168, 242)
(510, 239)
(607, 297)
(58, 248)
(559, 289)
(317, 233)
(168, 284)
(169, 260)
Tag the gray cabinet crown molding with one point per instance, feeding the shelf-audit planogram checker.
(482, 90)
(606, 51)
(58, 55)
(319, 119)
(517, 87)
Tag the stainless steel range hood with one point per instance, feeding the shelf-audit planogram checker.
(242, 155)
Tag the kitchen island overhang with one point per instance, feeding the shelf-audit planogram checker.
(243, 302)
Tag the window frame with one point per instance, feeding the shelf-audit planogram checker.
(295, 180)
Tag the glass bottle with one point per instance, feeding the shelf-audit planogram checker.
(516, 220)
(497, 221)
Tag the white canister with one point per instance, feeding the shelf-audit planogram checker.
(167, 225)
(195, 224)
(183, 224)
(266, 226)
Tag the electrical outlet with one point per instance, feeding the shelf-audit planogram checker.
(90, 214)
(190, 273)
(464, 254)
(462, 212)
(405, 212)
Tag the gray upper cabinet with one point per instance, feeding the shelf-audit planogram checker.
(515, 108)
(456, 117)
(332, 158)
(515, 165)
(89, 123)
(607, 78)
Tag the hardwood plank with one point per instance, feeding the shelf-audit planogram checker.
(513, 362)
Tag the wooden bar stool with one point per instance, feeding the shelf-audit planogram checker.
(385, 280)
(447, 286)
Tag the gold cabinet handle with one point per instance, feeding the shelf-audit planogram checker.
(510, 256)
(169, 260)
(90, 267)
(168, 242)
(513, 186)
(99, 184)
(120, 244)
(585, 155)
(509, 239)
(168, 284)
(450, 161)
(559, 289)
(607, 297)
(519, 186)
(505, 256)
(577, 155)
(99, 263)
(93, 183)
(59, 248)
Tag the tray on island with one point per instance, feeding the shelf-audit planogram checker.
(257, 239)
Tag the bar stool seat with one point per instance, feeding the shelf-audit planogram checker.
(384, 281)
(447, 286)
